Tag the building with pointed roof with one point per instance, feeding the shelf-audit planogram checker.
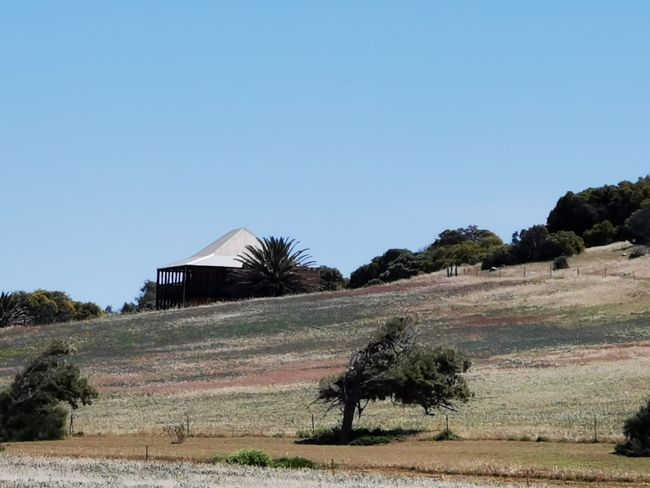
(203, 277)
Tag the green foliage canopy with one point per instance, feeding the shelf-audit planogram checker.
(392, 366)
(273, 268)
(31, 408)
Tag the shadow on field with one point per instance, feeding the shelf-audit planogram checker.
(360, 437)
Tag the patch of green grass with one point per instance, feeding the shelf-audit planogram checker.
(250, 457)
(295, 462)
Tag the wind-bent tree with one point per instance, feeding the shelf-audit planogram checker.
(637, 434)
(11, 310)
(31, 407)
(273, 268)
(393, 366)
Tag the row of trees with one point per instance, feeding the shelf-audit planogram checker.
(44, 307)
(468, 245)
(605, 214)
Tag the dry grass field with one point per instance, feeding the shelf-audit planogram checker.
(542, 462)
(553, 353)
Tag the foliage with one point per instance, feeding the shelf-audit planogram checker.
(402, 261)
(331, 279)
(12, 311)
(561, 262)
(273, 268)
(469, 245)
(47, 307)
(581, 212)
(177, 432)
(639, 252)
(146, 300)
(293, 462)
(392, 366)
(637, 434)
(250, 457)
(601, 234)
(638, 224)
(31, 408)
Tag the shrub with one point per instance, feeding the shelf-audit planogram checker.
(177, 432)
(639, 252)
(331, 279)
(499, 258)
(374, 282)
(561, 262)
(600, 234)
(295, 462)
(250, 457)
(637, 434)
(446, 435)
(562, 243)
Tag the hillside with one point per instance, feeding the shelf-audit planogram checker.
(551, 351)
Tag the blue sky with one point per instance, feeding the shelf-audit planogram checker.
(134, 133)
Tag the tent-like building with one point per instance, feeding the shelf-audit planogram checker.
(202, 278)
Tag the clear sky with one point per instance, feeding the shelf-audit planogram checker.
(133, 133)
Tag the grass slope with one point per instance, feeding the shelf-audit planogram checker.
(551, 352)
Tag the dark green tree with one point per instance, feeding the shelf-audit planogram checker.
(331, 279)
(638, 225)
(273, 268)
(147, 298)
(31, 408)
(394, 366)
(637, 433)
(12, 311)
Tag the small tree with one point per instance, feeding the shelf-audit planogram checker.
(273, 268)
(31, 408)
(638, 225)
(637, 434)
(392, 366)
(331, 279)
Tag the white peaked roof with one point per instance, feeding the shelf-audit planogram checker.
(221, 252)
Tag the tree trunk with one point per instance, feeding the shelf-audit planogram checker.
(348, 418)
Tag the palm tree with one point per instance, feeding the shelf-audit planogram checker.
(11, 310)
(273, 268)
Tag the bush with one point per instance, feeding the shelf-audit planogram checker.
(561, 262)
(294, 463)
(601, 234)
(446, 435)
(637, 434)
(178, 433)
(562, 243)
(639, 252)
(250, 457)
(498, 259)
(374, 282)
(331, 279)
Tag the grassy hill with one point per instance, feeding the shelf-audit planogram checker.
(551, 350)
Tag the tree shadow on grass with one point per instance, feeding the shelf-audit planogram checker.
(360, 437)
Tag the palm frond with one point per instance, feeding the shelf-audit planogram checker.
(274, 267)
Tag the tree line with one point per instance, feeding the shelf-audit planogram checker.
(44, 307)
